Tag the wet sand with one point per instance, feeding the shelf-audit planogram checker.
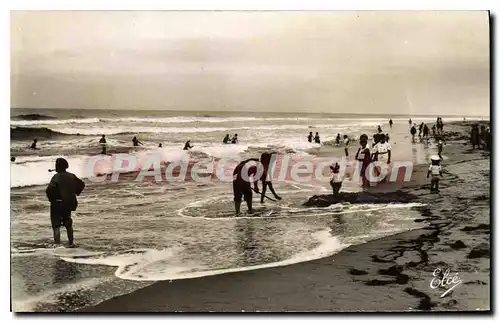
(388, 274)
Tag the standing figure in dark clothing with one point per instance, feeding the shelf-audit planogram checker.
(488, 139)
(390, 123)
(482, 137)
(426, 132)
(316, 138)
(413, 131)
(379, 129)
(188, 145)
(265, 160)
(409, 121)
(61, 192)
(33, 145)
(235, 139)
(337, 139)
(160, 145)
(102, 140)
(363, 156)
(136, 142)
(226, 139)
(310, 137)
(420, 128)
(242, 185)
(434, 130)
(474, 136)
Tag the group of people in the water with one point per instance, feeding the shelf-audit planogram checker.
(315, 138)
(229, 140)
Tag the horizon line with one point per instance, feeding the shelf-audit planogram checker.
(243, 111)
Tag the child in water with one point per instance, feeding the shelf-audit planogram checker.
(336, 181)
(435, 171)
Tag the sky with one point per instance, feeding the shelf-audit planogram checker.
(408, 62)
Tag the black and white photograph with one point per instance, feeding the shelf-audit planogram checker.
(250, 161)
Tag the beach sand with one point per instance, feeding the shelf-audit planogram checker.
(388, 274)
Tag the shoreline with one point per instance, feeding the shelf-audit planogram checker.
(392, 273)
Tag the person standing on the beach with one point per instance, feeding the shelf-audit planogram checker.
(33, 145)
(420, 128)
(435, 171)
(316, 138)
(160, 145)
(102, 140)
(390, 123)
(242, 186)
(310, 137)
(226, 139)
(188, 145)
(379, 129)
(336, 180)
(364, 159)
(482, 137)
(61, 192)
(488, 139)
(426, 132)
(413, 131)
(136, 142)
(265, 160)
(346, 146)
(434, 130)
(337, 139)
(474, 136)
(440, 149)
(235, 139)
(409, 121)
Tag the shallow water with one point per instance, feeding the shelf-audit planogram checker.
(132, 233)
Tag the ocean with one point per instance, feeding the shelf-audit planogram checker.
(132, 233)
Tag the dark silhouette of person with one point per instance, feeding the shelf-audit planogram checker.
(420, 128)
(337, 139)
(226, 139)
(136, 142)
(33, 145)
(363, 156)
(434, 130)
(426, 131)
(488, 139)
(103, 139)
(474, 136)
(242, 184)
(235, 139)
(188, 145)
(409, 121)
(160, 145)
(12, 159)
(413, 132)
(346, 145)
(316, 138)
(390, 123)
(379, 129)
(265, 160)
(310, 137)
(61, 192)
(482, 136)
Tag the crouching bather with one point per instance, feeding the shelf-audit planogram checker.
(243, 174)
